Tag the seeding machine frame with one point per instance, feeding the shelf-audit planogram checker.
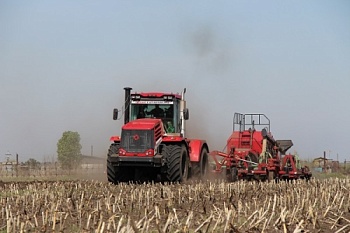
(253, 153)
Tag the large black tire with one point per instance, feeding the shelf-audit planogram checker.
(200, 169)
(117, 174)
(177, 163)
(111, 174)
(204, 163)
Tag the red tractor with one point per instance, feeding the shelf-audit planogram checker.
(153, 145)
(253, 153)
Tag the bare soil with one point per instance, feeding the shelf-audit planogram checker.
(94, 205)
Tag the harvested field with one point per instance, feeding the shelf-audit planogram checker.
(212, 206)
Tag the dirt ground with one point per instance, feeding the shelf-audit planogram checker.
(90, 204)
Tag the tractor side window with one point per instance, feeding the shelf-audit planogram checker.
(169, 112)
(141, 112)
(171, 120)
(137, 112)
(168, 126)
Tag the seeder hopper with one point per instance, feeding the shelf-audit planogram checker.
(253, 153)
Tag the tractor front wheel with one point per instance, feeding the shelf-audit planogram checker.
(177, 163)
(116, 174)
(111, 173)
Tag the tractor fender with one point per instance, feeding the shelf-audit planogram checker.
(115, 139)
(195, 149)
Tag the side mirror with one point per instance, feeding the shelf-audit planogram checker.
(115, 114)
(186, 114)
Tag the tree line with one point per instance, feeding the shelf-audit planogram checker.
(68, 152)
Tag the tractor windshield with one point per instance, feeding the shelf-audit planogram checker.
(169, 113)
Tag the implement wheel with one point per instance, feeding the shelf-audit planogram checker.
(233, 176)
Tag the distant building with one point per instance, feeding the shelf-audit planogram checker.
(324, 164)
(92, 162)
(9, 165)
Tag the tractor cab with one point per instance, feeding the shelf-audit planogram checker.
(157, 105)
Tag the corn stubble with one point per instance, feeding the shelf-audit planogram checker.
(212, 206)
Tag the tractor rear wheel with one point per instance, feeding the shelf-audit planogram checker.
(200, 169)
(177, 163)
(204, 163)
(116, 174)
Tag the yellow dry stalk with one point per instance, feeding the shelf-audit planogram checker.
(202, 206)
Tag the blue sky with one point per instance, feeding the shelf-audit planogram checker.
(63, 66)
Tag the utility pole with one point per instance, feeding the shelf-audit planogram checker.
(345, 165)
(16, 165)
(324, 161)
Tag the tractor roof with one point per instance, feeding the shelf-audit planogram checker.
(157, 94)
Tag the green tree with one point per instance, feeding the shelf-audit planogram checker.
(32, 163)
(69, 150)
